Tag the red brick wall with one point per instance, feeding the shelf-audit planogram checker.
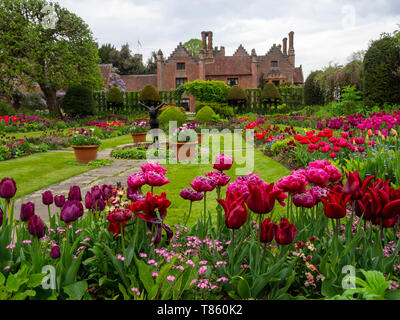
(138, 82)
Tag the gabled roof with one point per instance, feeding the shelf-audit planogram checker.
(275, 50)
(181, 51)
(241, 52)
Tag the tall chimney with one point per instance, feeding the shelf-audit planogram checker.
(210, 41)
(203, 40)
(285, 46)
(291, 48)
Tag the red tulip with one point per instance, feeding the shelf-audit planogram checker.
(353, 185)
(267, 231)
(235, 210)
(285, 232)
(335, 205)
(262, 197)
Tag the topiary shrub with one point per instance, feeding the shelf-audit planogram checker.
(172, 114)
(182, 109)
(115, 98)
(222, 109)
(207, 91)
(236, 96)
(79, 101)
(149, 96)
(205, 115)
(6, 109)
(33, 101)
(270, 94)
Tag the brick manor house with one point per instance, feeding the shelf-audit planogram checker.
(244, 69)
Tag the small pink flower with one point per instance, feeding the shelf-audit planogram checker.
(202, 270)
(120, 257)
(154, 274)
(170, 278)
(26, 242)
(136, 290)
(10, 246)
(142, 255)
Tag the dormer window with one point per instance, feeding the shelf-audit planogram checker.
(274, 64)
(180, 66)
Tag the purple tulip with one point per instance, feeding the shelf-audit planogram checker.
(223, 162)
(203, 184)
(304, 200)
(71, 211)
(55, 252)
(190, 194)
(36, 227)
(101, 205)
(156, 179)
(135, 195)
(59, 201)
(75, 193)
(96, 192)
(222, 178)
(106, 191)
(47, 198)
(27, 211)
(8, 188)
(137, 180)
(89, 201)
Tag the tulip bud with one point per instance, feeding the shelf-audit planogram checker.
(59, 201)
(89, 201)
(27, 211)
(75, 193)
(8, 188)
(285, 232)
(47, 198)
(55, 252)
(36, 227)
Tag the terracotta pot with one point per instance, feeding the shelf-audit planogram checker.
(85, 154)
(179, 153)
(142, 119)
(139, 137)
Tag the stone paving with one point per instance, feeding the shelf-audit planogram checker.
(118, 171)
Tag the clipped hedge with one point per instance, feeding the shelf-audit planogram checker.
(172, 114)
(205, 115)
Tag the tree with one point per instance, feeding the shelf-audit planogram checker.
(105, 53)
(32, 53)
(313, 94)
(151, 65)
(381, 76)
(193, 46)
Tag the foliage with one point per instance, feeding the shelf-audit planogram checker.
(131, 153)
(114, 96)
(52, 58)
(123, 60)
(270, 93)
(6, 109)
(79, 101)
(207, 91)
(205, 115)
(381, 64)
(33, 102)
(193, 46)
(149, 95)
(172, 114)
(351, 99)
(222, 109)
(236, 95)
(313, 94)
(84, 138)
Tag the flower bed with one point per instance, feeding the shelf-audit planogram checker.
(115, 240)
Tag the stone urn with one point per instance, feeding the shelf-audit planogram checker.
(85, 154)
(184, 151)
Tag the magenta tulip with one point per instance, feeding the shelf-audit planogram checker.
(36, 227)
(223, 162)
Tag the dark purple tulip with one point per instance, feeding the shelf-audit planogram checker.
(47, 198)
(55, 252)
(96, 192)
(89, 201)
(1, 217)
(36, 227)
(106, 191)
(190, 194)
(134, 195)
(27, 211)
(75, 193)
(8, 188)
(101, 205)
(59, 201)
(71, 211)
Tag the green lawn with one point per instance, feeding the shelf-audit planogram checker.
(40, 170)
(181, 175)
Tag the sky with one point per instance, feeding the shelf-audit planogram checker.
(326, 31)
